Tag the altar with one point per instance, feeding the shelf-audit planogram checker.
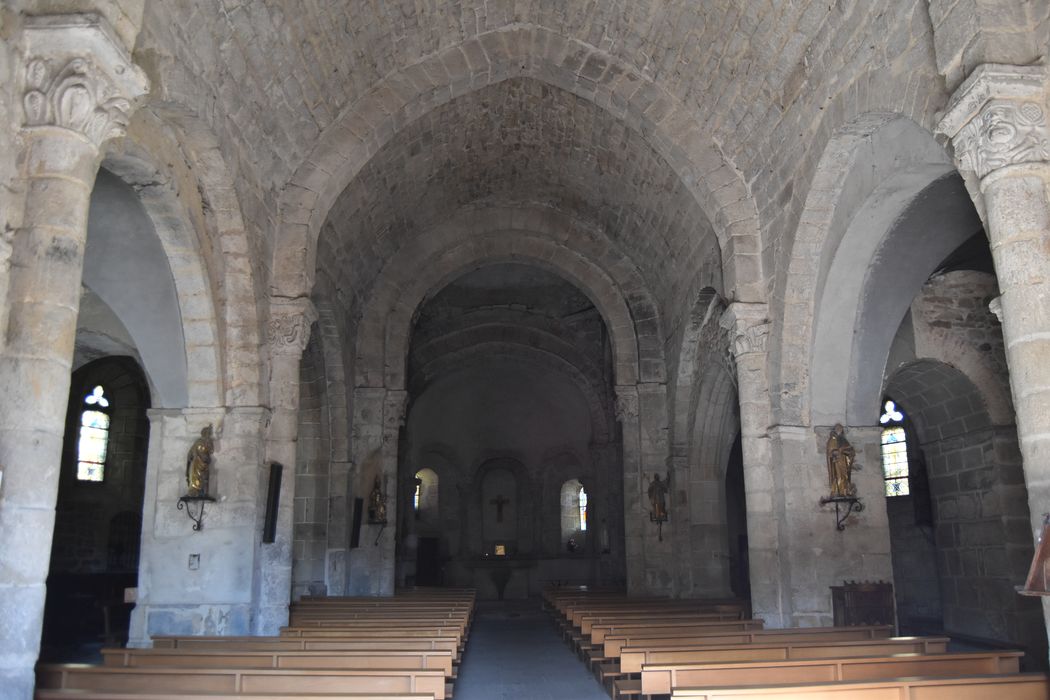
(502, 577)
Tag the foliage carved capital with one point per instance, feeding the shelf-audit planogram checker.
(79, 77)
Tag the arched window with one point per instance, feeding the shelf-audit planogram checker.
(573, 513)
(425, 495)
(93, 436)
(894, 450)
(581, 497)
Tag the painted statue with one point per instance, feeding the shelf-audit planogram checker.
(198, 463)
(658, 498)
(840, 455)
(377, 503)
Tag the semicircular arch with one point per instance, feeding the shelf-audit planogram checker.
(535, 238)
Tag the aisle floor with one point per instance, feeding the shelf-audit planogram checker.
(515, 653)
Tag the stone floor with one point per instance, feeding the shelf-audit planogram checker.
(515, 653)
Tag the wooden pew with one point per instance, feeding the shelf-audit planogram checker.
(633, 658)
(374, 632)
(613, 644)
(382, 622)
(589, 646)
(233, 680)
(572, 621)
(685, 625)
(450, 644)
(588, 620)
(1025, 686)
(219, 658)
(661, 679)
(607, 664)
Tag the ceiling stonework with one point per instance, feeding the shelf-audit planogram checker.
(520, 141)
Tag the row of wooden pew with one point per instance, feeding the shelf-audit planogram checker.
(712, 650)
(403, 648)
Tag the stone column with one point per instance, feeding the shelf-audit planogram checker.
(748, 327)
(80, 87)
(641, 410)
(194, 582)
(997, 121)
(288, 334)
(378, 416)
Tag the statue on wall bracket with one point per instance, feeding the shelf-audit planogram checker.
(377, 503)
(198, 463)
(841, 457)
(657, 493)
(198, 474)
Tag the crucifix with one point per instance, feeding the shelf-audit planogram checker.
(499, 501)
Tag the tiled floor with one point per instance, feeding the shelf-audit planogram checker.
(514, 652)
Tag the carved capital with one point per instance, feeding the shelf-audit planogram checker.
(289, 326)
(748, 327)
(996, 307)
(997, 118)
(78, 76)
(626, 403)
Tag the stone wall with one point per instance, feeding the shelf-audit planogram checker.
(980, 506)
(916, 573)
(960, 406)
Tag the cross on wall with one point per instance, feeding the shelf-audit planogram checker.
(499, 501)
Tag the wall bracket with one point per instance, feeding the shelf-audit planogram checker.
(851, 504)
(186, 502)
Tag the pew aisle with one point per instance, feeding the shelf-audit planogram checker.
(692, 649)
(515, 655)
(403, 648)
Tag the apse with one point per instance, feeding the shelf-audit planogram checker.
(510, 398)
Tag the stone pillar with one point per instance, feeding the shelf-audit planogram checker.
(997, 121)
(748, 326)
(379, 414)
(641, 410)
(80, 87)
(194, 582)
(288, 334)
(605, 519)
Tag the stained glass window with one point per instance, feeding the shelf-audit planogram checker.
(93, 438)
(894, 450)
(583, 510)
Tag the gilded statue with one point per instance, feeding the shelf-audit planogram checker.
(658, 498)
(840, 456)
(377, 503)
(198, 463)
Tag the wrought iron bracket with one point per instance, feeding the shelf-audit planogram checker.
(851, 504)
(659, 525)
(185, 502)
